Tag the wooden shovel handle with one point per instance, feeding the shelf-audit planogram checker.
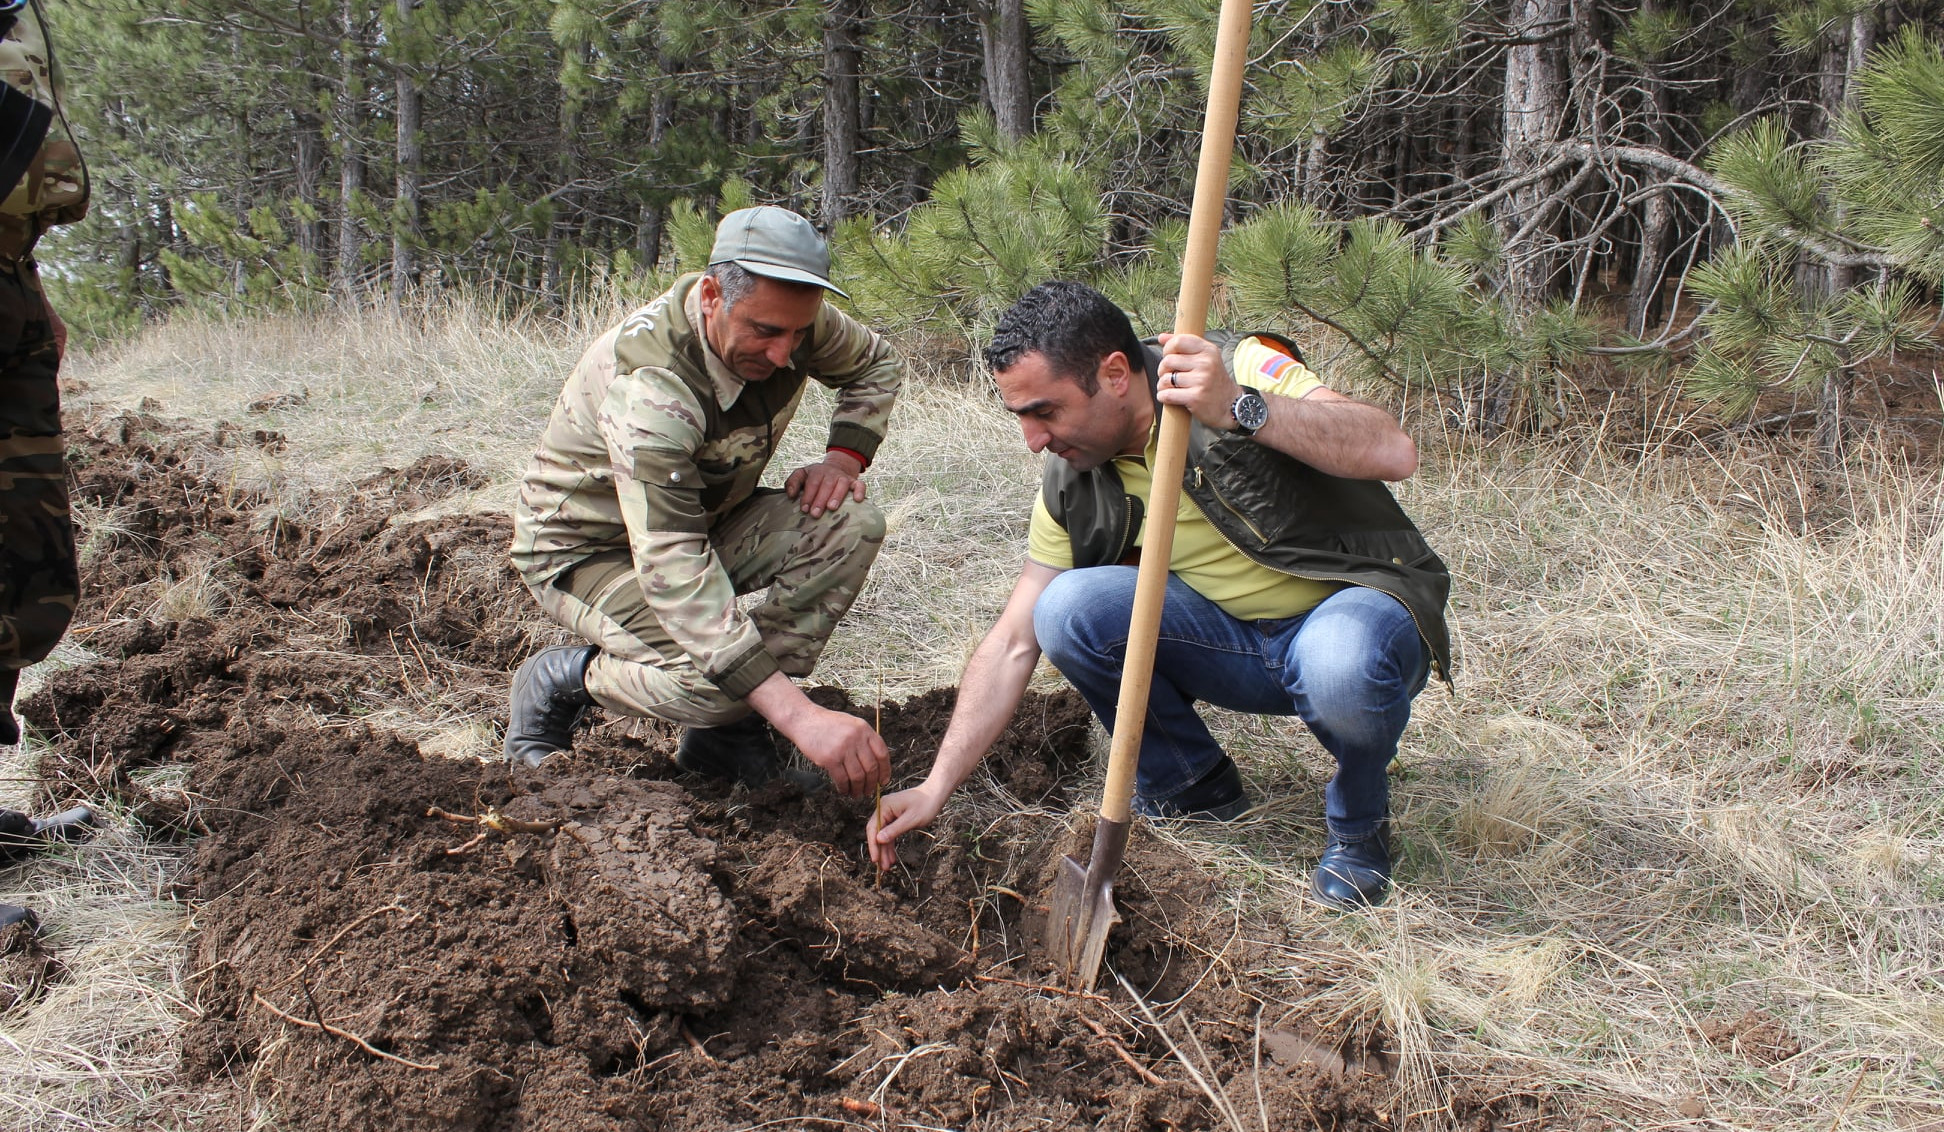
(1191, 317)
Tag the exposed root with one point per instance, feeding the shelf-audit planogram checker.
(337, 1033)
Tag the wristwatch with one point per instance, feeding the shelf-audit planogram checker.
(1250, 411)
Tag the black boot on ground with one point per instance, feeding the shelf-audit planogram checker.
(549, 695)
(11, 914)
(1354, 873)
(9, 727)
(21, 835)
(744, 751)
(1215, 796)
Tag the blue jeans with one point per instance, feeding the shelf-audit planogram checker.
(1348, 668)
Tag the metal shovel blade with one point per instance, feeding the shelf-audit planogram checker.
(1082, 911)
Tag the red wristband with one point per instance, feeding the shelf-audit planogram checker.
(853, 453)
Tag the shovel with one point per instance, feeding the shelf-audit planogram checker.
(1082, 904)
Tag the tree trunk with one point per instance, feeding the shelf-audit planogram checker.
(1533, 113)
(405, 213)
(351, 170)
(842, 57)
(653, 220)
(1006, 38)
(1657, 212)
(1826, 281)
(128, 258)
(311, 149)
(648, 236)
(1316, 163)
(566, 196)
(1832, 415)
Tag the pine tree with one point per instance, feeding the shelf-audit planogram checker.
(1862, 206)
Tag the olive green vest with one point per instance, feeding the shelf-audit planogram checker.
(1276, 510)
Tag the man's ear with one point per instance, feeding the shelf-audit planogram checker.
(710, 293)
(1115, 373)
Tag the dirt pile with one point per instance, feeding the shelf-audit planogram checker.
(27, 968)
(392, 941)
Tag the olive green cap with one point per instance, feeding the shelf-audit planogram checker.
(776, 244)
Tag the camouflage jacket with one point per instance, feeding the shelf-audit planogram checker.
(654, 438)
(55, 189)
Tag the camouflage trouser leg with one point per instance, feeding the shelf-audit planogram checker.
(812, 568)
(38, 579)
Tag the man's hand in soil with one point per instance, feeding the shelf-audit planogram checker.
(853, 755)
(901, 813)
(823, 487)
(843, 746)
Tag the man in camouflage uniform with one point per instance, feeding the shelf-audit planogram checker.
(38, 580)
(641, 518)
(44, 184)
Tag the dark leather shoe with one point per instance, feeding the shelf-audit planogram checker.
(549, 695)
(744, 751)
(9, 727)
(21, 835)
(11, 914)
(1354, 873)
(1215, 796)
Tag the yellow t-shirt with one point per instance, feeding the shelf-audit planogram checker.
(1202, 557)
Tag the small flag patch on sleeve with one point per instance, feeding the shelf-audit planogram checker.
(1263, 362)
(1275, 363)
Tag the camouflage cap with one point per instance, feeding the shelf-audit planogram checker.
(776, 244)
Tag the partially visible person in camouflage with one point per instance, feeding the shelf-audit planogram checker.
(38, 579)
(42, 183)
(641, 518)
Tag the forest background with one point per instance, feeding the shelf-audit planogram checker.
(1475, 203)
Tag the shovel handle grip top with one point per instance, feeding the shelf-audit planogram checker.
(1171, 452)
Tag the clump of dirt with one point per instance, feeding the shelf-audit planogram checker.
(857, 932)
(27, 968)
(1756, 1036)
(388, 940)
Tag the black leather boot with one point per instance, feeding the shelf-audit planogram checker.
(1216, 796)
(9, 727)
(744, 751)
(21, 835)
(549, 695)
(1354, 872)
(11, 914)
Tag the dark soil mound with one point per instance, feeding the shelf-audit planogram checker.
(26, 968)
(393, 941)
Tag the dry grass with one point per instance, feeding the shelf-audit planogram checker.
(1691, 768)
(98, 1050)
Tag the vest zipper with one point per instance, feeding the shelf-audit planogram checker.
(1244, 519)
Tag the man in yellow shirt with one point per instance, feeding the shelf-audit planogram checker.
(1297, 587)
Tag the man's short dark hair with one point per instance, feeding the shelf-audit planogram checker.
(1072, 326)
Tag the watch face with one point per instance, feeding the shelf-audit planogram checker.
(1251, 411)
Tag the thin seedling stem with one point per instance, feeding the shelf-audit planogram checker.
(877, 725)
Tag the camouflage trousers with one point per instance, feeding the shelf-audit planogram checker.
(811, 568)
(39, 582)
